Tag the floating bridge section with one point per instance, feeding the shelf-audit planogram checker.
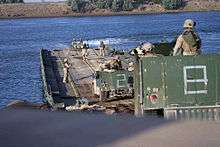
(81, 73)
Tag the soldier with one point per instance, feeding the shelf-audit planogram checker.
(84, 51)
(112, 64)
(102, 48)
(189, 42)
(74, 43)
(131, 66)
(147, 49)
(115, 63)
(66, 67)
(81, 44)
(139, 49)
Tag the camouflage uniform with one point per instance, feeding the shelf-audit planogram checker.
(65, 70)
(147, 49)
(144, 49)
(81, 44)
(115, 63)
(102, 48)
(189, 42)
(84, 53)
(112, 64)
(131, 66)
(74, 43)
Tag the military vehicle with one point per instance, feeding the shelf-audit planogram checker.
(179, 87)
(114, 84)
(117, 84)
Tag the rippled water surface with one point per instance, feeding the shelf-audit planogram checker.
(22, 39)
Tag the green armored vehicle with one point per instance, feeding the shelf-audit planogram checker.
(114, 84)
(180, 86)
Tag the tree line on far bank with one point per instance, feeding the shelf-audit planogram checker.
(82, 6)
(10, 1)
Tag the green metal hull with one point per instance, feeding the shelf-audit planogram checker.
(186, 82)
(116, 84)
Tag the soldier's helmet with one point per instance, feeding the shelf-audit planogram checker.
(189, 23)
(65, 60)
(147, 46)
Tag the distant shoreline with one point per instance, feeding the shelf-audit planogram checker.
(109, 14)
(51, 10)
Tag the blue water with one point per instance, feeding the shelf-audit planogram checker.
(22, 39)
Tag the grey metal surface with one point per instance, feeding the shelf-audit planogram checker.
(32, 128)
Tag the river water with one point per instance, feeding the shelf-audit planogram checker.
(22, 39)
